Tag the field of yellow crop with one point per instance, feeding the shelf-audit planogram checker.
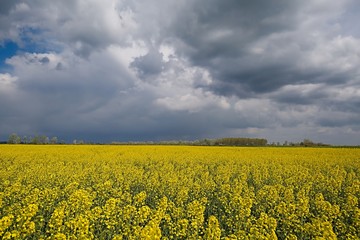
(178, 192)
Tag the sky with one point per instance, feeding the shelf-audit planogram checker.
(123, 70)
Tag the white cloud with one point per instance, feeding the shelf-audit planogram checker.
(7, 81)
(193, 102)
(45, 60)
(21, 8)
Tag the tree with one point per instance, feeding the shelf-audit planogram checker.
(25, 140)
(240, 142)
(35, 140)
(40, 139)
(54, 140)
(44, 139)
(308, 143)
(14, 139)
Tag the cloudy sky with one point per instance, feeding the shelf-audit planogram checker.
(121, 70)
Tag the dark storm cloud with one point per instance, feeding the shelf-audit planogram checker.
(150, 64)
(340, 119)
(256, 46)
(295, 97)
(44, 60)
(52, 99)
(228, 26)
(7, 5)
(5, 22)
(254, 80)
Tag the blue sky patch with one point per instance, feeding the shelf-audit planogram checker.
(33, 41)
(7, 50)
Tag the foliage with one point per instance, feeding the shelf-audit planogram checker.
(37, 139)
(14, 139)
(178, 192)
(241, 142)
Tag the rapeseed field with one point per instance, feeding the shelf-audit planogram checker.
(178, 192)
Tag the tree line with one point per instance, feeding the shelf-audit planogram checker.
(37, 139)
(204, 142)
(228, 141)
(241, 142)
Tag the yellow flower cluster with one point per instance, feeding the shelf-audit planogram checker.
(178, 192)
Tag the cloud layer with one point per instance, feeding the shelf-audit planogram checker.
(124, 70)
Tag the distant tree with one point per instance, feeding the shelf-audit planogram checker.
(43, 139)
(35, 140)
(25, 139)
(78, 141)
(240, 142)
(307, 143)
(207, 142)
(39, 139)
(14, 139)
(54, 140)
